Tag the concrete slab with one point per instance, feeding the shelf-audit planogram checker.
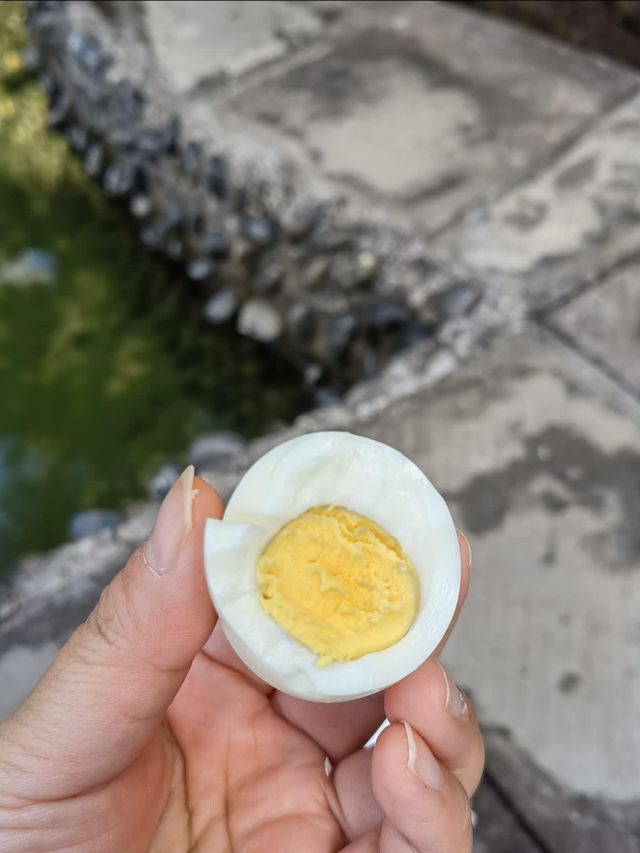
(538, 454)
(540, 464)
(554, 820)
(497, 829)
(605, 324)
(52, 595)
(20, 668)
(565, 225)
(195, 40)
(433, 106)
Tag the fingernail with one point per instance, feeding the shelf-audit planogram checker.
(421, 761)
(455, 701)
(466, 542)
(173, 525)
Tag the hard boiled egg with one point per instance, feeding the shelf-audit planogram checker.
(335, 571)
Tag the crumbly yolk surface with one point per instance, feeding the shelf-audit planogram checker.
(339, 584)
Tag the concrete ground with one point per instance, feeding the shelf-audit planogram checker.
(520, 160)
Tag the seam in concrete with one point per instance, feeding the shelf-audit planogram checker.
(328, 43)
(226, 88)
(592, 360)
(513, 807)
(333, 36)
(544, 313)
(547, 160)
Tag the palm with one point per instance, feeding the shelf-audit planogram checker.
(230, 772)
(130, 743)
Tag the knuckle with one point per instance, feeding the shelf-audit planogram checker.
(111, 626)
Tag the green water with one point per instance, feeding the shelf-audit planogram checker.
(108, 371)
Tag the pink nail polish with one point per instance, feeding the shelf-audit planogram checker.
(173, 525)
(455, 701)
(421, 761)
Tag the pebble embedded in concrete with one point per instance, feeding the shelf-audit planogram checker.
(260, 320)
(221, 306)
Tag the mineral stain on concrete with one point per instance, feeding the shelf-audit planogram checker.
(419, 115)
(569, 682)
(586, 474)
(550, 553)
(553, 502)
(576, 174)
(528, 214)
(351, 74)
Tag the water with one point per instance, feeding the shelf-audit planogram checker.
(107, 369)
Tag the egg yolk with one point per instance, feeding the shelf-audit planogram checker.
(339, 584)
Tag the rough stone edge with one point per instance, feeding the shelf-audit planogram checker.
(554, 817)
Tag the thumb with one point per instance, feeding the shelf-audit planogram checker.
(111, 684)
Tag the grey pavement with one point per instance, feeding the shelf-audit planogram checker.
(540, 465)
(20, 668)
(604, 323)
(197, 41)
(517, 160)
(427, 105)
(563, 225)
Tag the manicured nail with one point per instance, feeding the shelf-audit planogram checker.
(455, 701)
(173, 525)
(421, 761)
(468, 547)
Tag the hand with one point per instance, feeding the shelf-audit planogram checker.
(148, 733)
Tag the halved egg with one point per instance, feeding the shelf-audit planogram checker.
(335, 571)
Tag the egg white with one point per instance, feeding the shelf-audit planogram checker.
(325, 469)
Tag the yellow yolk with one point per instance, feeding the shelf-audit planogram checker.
(339, 584)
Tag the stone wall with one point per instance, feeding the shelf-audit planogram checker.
(270, 244)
